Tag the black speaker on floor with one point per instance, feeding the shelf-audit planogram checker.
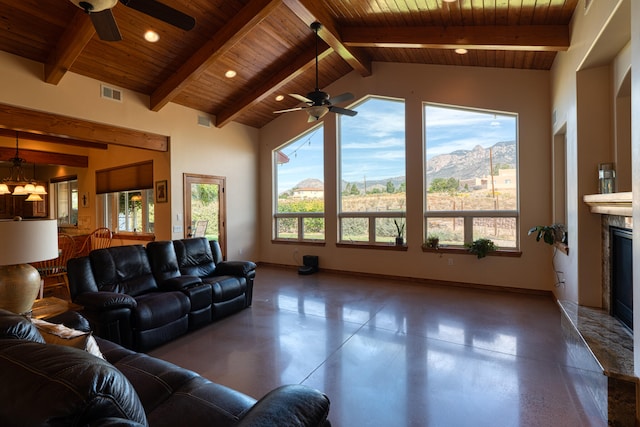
(310, 265)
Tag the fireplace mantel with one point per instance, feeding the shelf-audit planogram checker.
(610, 204)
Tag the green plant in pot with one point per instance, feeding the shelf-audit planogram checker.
(481, 247)
(400, 235)
(550, 234)
(433, 242)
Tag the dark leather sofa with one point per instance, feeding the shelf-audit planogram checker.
(143, 297)
(54, 385)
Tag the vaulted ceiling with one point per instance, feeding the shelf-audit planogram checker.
(271, 47)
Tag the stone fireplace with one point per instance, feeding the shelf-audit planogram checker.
(599, 344)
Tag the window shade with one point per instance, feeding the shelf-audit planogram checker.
(138, 176)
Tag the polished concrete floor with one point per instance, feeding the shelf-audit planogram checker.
(392, 353)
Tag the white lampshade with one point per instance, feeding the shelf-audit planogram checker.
(29, 188)
(28, 241)
(33, 197)
(19, 191)
(4, 189)
(40, 190)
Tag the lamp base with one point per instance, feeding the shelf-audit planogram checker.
(19, 287)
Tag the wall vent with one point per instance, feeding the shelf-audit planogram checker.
(204, 121)
(110, 93)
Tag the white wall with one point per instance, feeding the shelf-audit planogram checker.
(230, 152)
(519, 91)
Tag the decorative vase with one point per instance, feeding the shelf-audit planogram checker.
(399, 241)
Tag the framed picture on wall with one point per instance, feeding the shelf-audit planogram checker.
(161, 191)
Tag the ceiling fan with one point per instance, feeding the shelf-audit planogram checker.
(105, 24)
(317, 102)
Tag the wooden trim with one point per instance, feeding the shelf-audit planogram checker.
(381, 246)
(510, 253)
(45, 157)
(22, 119)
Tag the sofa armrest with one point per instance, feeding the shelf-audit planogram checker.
(179, 283)
(236, 268)
(291, 405)
(101, 301)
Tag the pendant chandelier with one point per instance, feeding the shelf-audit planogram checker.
(18, 180)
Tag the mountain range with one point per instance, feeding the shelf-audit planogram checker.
(461, 164)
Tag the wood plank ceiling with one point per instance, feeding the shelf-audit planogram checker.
(271, 47)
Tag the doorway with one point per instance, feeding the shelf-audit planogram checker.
(204, 208)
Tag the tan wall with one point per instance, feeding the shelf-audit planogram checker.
(228, 152)
(582, 86)
(523, 92)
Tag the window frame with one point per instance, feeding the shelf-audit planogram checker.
(299, 217)
(468, 216)
(371, 216)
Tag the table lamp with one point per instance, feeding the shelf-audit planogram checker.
(24, 242)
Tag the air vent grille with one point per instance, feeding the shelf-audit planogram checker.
(111, 93)
(204, 121)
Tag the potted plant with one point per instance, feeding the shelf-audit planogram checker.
(433, 242)
(481, 247)
(550, 234)
(400, 235)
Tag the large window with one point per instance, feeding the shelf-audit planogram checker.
(471, 175)
(372, 172)
(299, 184)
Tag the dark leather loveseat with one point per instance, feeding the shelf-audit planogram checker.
(143, 297)
(55, 385)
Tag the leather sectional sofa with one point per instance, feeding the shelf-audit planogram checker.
(143, 297)
(56, 385)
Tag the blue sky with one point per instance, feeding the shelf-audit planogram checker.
(373, 142)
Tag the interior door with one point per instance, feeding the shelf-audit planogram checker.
(204, 208)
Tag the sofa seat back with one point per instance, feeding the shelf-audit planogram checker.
(123, 269)
(194, 257)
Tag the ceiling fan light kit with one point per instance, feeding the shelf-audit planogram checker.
(105, 24)
(318, 103)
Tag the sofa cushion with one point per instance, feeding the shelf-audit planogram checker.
(226, 288)
(55, 385)
(123, 269)
(194, 257)
(59, 334)
(157, 309)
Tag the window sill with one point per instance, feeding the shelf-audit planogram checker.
(147, 237)
(511, 253)
(380, 246)
(298, 242)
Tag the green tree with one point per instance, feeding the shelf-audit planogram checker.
(354, 190)
(444, 185)
(390, 187)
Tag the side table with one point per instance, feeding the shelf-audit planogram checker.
(45, 308)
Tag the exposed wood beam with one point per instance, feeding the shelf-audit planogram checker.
(283, 76)
(21, 135)
(32, 121)
(45, 157)
(553, 38)
(230, 34)
(78, 33)
(310, 11)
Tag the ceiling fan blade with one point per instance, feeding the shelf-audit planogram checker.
(289, 110)
(162, 12)
(342, 97)
(106, 26)
(301, 98)
(344, 111)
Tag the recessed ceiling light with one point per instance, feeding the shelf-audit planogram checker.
(230, 74)
(461, 51)
(449, 1)
(279, 98)
(151, 36)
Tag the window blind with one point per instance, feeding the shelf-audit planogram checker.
(137, 176)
